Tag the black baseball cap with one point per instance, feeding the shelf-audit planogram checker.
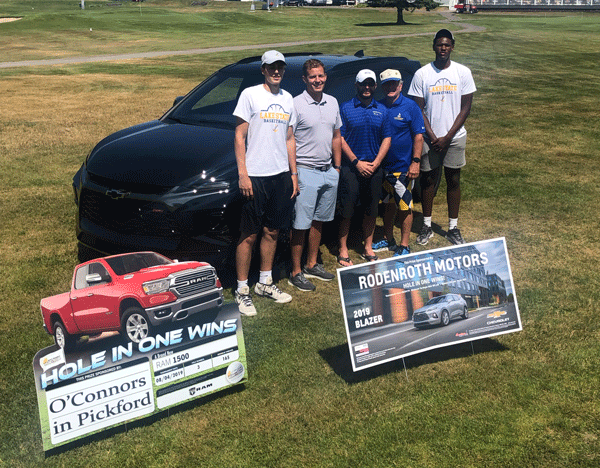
(443, 33)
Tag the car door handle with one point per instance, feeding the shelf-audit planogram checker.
(90, 294)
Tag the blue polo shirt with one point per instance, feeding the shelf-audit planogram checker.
(405, 120)
(364, 128)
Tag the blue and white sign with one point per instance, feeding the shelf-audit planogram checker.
(406, 305)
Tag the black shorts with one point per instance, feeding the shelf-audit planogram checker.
(271, 207)
(355, 189)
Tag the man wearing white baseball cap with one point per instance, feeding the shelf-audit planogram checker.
(265, 151)
(366, 139)
(402, 163)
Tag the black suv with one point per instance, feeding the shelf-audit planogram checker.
(171, 185)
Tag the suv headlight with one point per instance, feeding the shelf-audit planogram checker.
(156, 287)
(203, 184)
(212, 188)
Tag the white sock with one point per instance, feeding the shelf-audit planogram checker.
(264, 276)
(427, 221)
(452, 223)
(241, 284)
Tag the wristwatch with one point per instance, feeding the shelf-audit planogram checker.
(355, 162)
(337, 167)
(416, 160)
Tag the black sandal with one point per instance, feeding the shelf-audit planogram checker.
(369, 258)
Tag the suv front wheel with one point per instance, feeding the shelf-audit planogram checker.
(445, 320)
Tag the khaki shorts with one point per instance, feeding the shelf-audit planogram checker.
(454, 158)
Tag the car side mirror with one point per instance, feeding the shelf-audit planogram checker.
(177, 100)
(93, 278)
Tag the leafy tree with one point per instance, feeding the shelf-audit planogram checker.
(402, 5)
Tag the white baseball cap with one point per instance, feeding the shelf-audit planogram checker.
(390, 75)
(365, 75)
(272, 56)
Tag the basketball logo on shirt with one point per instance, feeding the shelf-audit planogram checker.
(275, 114)
(443, 87)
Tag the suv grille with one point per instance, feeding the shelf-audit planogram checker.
(128, 186)
(420, 316)
(193, 283)
(126, 215)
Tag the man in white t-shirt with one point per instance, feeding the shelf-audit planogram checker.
(443, 89)
(265, 151)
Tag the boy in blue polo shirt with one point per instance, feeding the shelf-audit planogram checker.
(366, 139)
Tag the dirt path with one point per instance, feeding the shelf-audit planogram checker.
(448, 17)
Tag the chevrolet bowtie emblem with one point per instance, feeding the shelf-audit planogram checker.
(116, 194)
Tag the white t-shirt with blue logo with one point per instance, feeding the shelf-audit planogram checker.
(269, 116)
(442, 91)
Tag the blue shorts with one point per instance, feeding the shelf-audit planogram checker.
(318, 194)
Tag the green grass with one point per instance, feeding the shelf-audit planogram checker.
(528, 399)
(61, 29)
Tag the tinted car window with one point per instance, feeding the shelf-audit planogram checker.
(344, 89)
(99, 269)
(217, 97)
(80, 281)
(135, 262)
(216, 100)
(437, 299)
(80, 276)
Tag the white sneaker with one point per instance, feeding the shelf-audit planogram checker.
(271, 290)
(244, 301)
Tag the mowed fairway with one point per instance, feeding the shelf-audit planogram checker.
(528, 399)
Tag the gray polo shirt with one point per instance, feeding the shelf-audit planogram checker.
(316, 122)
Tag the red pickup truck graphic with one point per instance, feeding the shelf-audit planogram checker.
(131, 293)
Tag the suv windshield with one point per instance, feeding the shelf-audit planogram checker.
(216, 98)
(135, 262)
(435, 300)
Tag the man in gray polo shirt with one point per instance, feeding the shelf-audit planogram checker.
(318, 159)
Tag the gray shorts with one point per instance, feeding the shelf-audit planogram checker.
(454, 158)
(318, 194)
